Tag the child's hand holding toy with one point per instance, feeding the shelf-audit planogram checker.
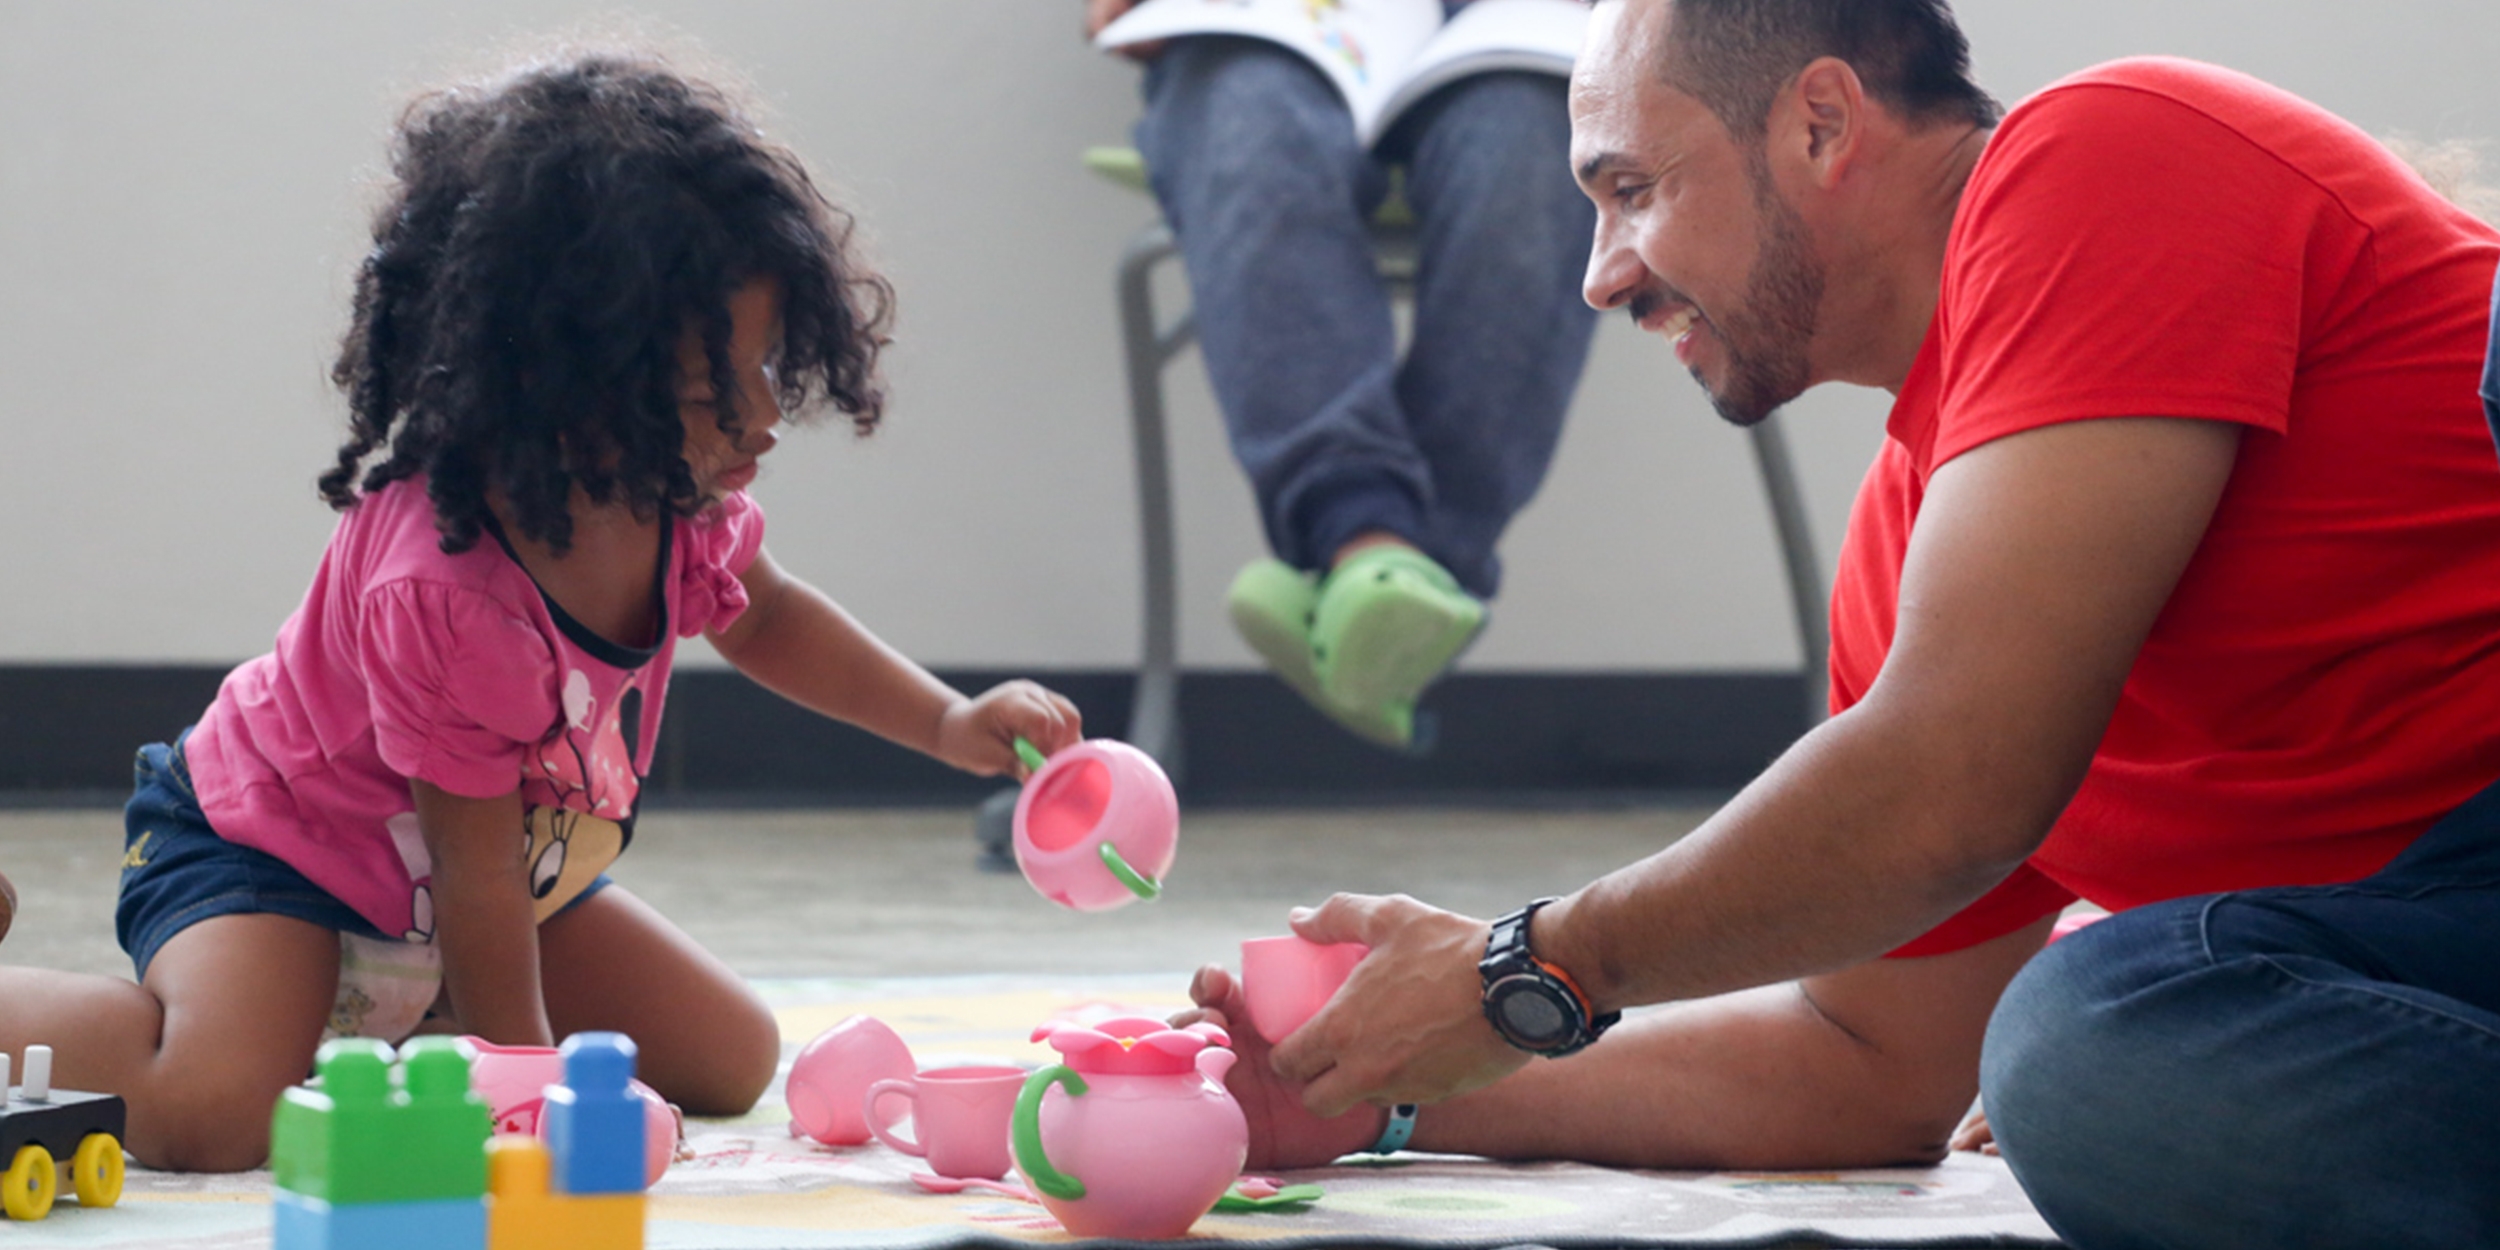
(979, 734)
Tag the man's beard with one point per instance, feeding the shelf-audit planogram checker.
(1767, 335)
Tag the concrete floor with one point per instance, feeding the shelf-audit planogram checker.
(895, 893)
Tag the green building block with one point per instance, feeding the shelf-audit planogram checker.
(359, 1138)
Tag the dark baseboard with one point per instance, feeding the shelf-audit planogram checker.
(67, 733)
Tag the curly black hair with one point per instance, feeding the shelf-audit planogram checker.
(547, 241)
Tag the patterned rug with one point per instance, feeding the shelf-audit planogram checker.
(750, 1185)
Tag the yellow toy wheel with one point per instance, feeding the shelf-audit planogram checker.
(26, 1192)
(95, 1172)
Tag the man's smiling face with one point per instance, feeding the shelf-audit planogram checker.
(1691, 239)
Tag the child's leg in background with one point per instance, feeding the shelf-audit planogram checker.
(611, 961)
(229, 1016)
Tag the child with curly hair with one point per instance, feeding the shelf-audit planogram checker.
(595, 290)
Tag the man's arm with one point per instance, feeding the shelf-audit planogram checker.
(2038, 565)
(1870, 1066)
(1865, 1067)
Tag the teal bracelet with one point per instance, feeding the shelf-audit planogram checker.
(1394, 1134)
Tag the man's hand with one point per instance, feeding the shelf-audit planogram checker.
(1409, 1025)
(1101, 13)
(1282, 1133)
(979, 734)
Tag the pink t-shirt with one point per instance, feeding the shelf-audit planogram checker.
(404, 662)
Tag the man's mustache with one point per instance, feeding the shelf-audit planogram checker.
(1648, 303)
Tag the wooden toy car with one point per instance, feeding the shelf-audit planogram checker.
(40, 1126)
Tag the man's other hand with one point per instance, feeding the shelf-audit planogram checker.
(1409, 1025)
(1101, 13)
(1282, 1133)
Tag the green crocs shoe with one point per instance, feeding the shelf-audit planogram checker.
(1271, 604)
(1388, 622)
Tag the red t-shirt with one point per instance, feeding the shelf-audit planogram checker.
(2161, 238)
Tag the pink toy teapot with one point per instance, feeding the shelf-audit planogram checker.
(1096, 825)
(1133, 1135)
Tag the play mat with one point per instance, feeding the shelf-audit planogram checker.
(750, 1185)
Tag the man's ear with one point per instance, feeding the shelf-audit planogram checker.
(1819, 119)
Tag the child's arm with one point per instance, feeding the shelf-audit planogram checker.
(485, 924)
(801, 645)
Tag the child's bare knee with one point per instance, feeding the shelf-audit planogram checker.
(737, 1068)
(206, 1131)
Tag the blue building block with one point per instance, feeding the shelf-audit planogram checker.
(308, 1223)
(594, 1123)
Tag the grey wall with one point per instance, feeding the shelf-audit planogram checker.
(182, 189)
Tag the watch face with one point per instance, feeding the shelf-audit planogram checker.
(1528, 1014)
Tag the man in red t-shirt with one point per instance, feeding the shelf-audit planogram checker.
(2176, 587)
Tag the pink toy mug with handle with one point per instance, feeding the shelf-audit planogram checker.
(1286, 980)
(959, 1118)
(830, 1076)
(1097, 824)
(514, 1079)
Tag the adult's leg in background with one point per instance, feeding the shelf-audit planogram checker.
(1254, 158)
(2312, 1066)
(1501, 330)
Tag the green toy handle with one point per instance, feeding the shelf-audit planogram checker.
(1137, 882)
(1031, 755)
(1027, 1133)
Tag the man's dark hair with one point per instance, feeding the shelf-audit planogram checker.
(1735, 56)
(547, 243)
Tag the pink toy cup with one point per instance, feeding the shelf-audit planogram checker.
(829, 1079)
(1097, 824)
(1286, 980)
(959, 1118)
(514, 1079)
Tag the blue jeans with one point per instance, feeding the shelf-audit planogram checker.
(2302, 1066)
(1254, 158)
(176, 871)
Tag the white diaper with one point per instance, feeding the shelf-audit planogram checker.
(385, 988)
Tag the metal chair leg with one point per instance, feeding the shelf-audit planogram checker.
(1807, 595)
(1154, 715)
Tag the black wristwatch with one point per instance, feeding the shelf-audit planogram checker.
(1534, 1005)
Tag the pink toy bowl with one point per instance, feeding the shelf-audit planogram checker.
(1097, 824)
(830, 1076)
(1286, 980)
(514, 1079)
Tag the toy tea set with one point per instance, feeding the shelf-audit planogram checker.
(1132, 1134)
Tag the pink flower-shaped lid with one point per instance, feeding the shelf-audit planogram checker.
(1130, 1045)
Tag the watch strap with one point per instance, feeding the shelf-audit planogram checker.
(1398, 1131)
(1509, 952)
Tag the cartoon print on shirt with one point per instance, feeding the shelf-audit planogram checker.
(577, 809)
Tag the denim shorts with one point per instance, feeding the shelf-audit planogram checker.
(177, 871)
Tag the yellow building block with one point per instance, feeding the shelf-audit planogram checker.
(523, 1214)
